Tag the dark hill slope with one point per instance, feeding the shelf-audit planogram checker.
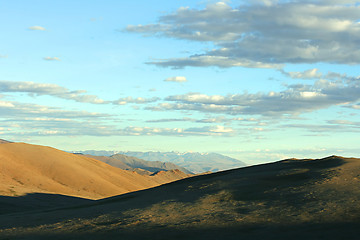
(290, 199)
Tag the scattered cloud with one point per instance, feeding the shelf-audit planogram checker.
(308, 74)
(315, 74)
(68, 126)
(263, 33)
(204, 131)
(54, 90)
(209, 61)
(345, 123)
(12, 109)
(3, 56)
(164, 120)
(325, 128)
(178, 79)
(219, 119)
(138, 100)
(294, 100)
(52, 59)
(355, 106)
(37, 28)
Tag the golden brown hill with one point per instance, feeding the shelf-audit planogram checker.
(290, 199)
(29, 168)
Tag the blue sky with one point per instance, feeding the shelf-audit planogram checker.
(257, 80)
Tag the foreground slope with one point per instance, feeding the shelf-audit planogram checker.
(290, 199)
(27, 168)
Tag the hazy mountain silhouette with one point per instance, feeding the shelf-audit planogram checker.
(193, 161)
(132, 163)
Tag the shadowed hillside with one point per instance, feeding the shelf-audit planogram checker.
(290, 199)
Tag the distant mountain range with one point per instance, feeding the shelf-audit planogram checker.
(138, 165)
(192, 161)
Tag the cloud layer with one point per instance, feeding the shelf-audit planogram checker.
(264, 33)
(40, 89)
(294, 100)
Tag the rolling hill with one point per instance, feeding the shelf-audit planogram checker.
(27, 168)
(289, 199)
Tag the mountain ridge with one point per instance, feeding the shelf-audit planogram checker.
(118, 160)
(195, 162)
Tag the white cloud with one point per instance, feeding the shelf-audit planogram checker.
(38, 28)
(294, 100)
(54, 90)
(356, 106)
(178, 79)
(207, 61)
(210, 131)
(331, 126)
(266, 34)
(3, 56)
(219, 119)
(52, 59)
(185, 119)
(308, 74)
(221, 129)
(81, 128)
(11, 109)
(138, 100)
(344, 122)
(5, 104)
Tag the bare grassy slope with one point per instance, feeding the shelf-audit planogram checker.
(29, 168)
(290, 199)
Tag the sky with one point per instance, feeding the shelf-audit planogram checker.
(257, 80)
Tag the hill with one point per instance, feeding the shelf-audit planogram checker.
(132, 163)
(4, 141)
(27, 168)
(193, 161)
(289, 199)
